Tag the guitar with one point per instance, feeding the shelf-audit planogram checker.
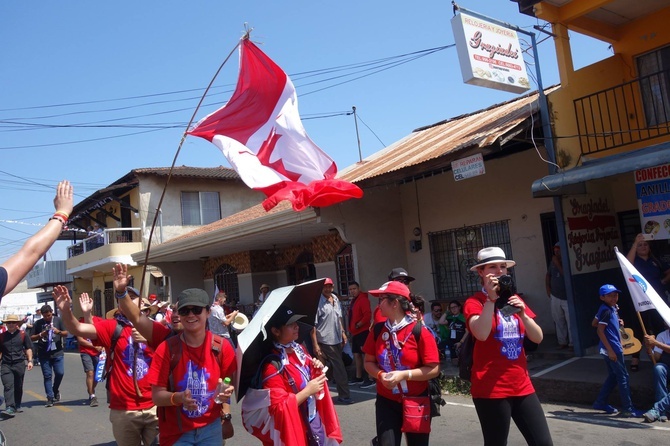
(629, 342)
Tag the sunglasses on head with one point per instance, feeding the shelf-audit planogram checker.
(186, 310)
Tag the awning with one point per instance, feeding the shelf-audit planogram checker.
(572, 181)
(156, 274)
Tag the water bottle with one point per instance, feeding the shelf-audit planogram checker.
(223, 385)
(447, 354)
(322, 393)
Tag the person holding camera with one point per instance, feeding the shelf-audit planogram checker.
(501, 387)
(49, 335)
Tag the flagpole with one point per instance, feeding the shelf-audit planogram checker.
(167, 182)
(644, 333)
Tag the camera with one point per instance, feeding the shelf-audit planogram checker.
(506, 289)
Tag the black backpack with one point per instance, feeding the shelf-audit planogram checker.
(434, 386)
(465, 357)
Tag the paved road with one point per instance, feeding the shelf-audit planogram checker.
(73, 422)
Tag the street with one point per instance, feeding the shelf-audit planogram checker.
(73, 422)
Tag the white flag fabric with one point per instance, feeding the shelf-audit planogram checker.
(643, 294)
(216, 292)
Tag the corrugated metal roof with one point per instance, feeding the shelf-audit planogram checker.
(220, 172)
(494, 125)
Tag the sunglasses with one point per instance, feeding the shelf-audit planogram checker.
(186, 310)
(401, 280)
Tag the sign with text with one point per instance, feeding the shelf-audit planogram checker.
(489, 54)
(469, 167)
(652, 186)
(592, 232)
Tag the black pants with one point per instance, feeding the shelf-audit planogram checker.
(388, 415)
(526, 411)
(12, 380)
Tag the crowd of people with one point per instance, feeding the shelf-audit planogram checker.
(168, 368)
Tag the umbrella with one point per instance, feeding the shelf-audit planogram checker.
(302, 299)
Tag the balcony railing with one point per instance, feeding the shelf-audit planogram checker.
(635, 111)
(108, 236)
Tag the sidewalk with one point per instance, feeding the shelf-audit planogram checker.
(560, 377)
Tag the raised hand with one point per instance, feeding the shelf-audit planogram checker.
(121, 278)
(62, 298)
(63, 201)
(86, 303)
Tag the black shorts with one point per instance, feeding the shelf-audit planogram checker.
(357, 342)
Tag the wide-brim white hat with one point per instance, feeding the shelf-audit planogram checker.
(491, 255)
(240, 321)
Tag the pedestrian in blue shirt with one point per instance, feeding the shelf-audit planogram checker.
(608, 323)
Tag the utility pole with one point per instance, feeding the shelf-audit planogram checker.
(358, 138)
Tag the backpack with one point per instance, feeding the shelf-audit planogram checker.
(465, 357)
(256, 416)
(434, 387)
(174, 351)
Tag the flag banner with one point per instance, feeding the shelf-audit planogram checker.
(643, 294)
(260, 133)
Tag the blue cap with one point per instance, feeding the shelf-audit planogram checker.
(606, 289)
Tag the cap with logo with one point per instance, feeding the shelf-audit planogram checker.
(607, 288)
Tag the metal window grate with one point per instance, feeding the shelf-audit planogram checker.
(454, 251)
(225, 279)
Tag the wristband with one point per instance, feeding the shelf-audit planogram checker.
(379, 374)
(60, 219)
(121, 296)
(409, 378)
(172, 399)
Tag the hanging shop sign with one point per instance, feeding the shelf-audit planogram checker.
(469, 167)
(653, 200)
(489, 54)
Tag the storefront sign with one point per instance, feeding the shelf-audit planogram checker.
(469, 167)
(592, 233)
(489, 54)
(653, 200)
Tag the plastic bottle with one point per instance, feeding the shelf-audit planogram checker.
(321, 394)
(447, 354)
(223, 384)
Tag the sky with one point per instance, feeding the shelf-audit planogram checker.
(92, 90)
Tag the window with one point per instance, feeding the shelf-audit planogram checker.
(344, 262)
(225, 278)
(200, 208)
(655, 85)
(454, 251)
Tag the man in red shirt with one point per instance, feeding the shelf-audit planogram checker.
(89, 353)
(359, 324)
(132, 413)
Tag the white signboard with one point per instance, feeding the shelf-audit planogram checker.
(489, 54)
(469, 167)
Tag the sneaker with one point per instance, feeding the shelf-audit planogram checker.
(94, 402)
(50, 402)
(354, 381)
(56, 396)
(342, 400)
(651, 415)
(10, 412)
(606, 408)
(663, 418)
(633, 414)
(19, 410)
(367, 383)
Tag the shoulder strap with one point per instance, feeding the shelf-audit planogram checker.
(112, 346)
(377, 329)
(416, 331)
(174, 351)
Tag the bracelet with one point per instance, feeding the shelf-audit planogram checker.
(121, 296)
(59, 218)
(409, 378)
(65, 215)
(172, 399)
(379, 374)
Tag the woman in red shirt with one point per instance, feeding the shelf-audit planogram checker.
(400, 361)
(501, 387)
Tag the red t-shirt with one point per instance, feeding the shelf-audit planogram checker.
(198, 371)
(360, 313)
(159, 333)
(499, 363)
(121, 385)
(411, 356)
(85, 349)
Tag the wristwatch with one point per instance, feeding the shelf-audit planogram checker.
(226, 417)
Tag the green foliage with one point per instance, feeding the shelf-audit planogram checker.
(453, 385)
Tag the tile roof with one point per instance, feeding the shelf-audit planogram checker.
(220, 172)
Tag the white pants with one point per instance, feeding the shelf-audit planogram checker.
(561, 315)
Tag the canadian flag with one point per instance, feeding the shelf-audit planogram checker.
(643, 294)
(260, 133)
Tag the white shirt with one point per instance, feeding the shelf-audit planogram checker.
(663, 338)
(216, 318)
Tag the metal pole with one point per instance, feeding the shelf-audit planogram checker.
(551, 155)
(358, 138)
